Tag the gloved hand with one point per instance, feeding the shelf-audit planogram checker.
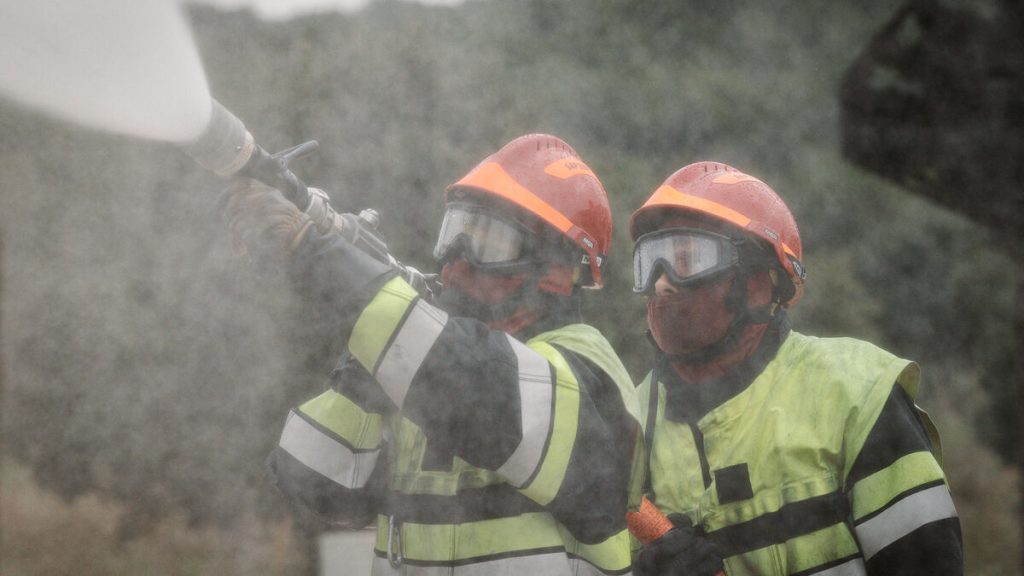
(682, 551)
(262, 222)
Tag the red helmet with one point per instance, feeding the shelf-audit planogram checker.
(724, 194)
(545, 177)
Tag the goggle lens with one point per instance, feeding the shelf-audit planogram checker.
(486, 238)
(686, 255)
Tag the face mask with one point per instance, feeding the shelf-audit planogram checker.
(469, 293)
(691, 318)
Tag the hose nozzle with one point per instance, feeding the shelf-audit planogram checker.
(227, 149)
(225, 146)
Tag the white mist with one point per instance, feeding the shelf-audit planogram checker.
(125, 66)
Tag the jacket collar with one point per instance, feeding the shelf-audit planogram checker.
(688, 402)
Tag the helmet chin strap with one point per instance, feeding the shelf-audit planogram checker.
(737, 300)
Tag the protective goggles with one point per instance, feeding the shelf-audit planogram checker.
(686, 255)
(487, 240)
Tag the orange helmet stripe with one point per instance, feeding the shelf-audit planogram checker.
(493, 178)
(670, 197)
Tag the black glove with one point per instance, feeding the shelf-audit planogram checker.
(682, 551)
(262, 222)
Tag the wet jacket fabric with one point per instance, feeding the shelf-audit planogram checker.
(810, 458)
(474, 452)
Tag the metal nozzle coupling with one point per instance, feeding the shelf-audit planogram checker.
(371, 217)
(324, 217)
(225, 146)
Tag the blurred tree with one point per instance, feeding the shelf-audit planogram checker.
(144, 361)
(936, 102)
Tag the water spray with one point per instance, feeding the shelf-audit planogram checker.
(131, 67)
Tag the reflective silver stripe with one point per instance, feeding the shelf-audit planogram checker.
(553, 564)
(412, 343)
(854, 567)
(535, 392)
(325, 455)
(904, 517)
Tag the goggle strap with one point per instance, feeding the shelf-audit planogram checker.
(785, 255)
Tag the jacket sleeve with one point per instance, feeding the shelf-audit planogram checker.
(545, 420)
(903, 513)
(330, 463)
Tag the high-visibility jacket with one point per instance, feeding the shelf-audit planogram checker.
(502, 457)
(813, 459)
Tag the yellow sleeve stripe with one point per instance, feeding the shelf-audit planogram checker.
(535, 414)
(325, 453)
(903, 517)
(341, 416)
(544, 486)
(878, 490)
(379, 321)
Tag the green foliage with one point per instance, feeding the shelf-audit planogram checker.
(43, 535)
(144, 361)
(986, 491)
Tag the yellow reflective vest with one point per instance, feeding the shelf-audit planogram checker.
(460, 518)
(766, 473)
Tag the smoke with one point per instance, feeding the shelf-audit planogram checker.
(144, 361)
(126, 66)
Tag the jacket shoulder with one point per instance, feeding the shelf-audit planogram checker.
(589, 342)
(854, 365)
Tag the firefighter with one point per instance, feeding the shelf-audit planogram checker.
(772, 452)
(488, 430)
